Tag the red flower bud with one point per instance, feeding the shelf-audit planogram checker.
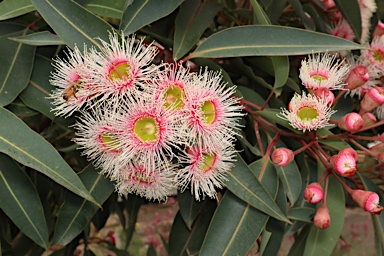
(351, 122)
(367, 200)
(369, 119)
(282, 156)
(348, 151)
(326, 95)
(344, 164)
(322, 218)
(372, 99)
(357, 77)
(313, 193)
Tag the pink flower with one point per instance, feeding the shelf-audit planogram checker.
(313, 193)
(351, 122)
(323, 71)
(205, 169)
(367, 200)
(282, 156)
(307, 112)
(375, 54)
(322, 218)
(344, 164)
(343, 30)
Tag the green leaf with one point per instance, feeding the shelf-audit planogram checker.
(301, 214)
(272, 115)
(300, 238)
(336, 144)
(107, 8)
(242, 68)
(73, 23)
(183, 241)
(17, 60)
(13, 8)
(132, 206)
(234, 227)
(322, 241)
(350, 10)
(244, 184)
(39, 38)
(189, 207)
(281, 68)
(308, 23)
(268, 41)
(76, 213)
(29, 148)
(191, 21)
(20, 201)
(141, 13)
(260, 17)
(18, 108)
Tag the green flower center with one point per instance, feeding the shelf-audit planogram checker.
(146, 129)
(120, 72)
(319, 78)
(209, 160)
(110, 141)
(173, 97)
(209, 112)
(307, 114)
(378, 56)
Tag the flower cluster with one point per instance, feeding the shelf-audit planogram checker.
(150, 128)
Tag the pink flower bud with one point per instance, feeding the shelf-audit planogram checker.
(313, 193)
(326, 94)
(369, 119)
(351, 122)
(378, 148)
(282, 156)
(344, 164)
(379, 30)
(372, 99)
(348, 151)
(367, 200)
(380, 157)
(381, 137)
(322, 218)
(357, 77)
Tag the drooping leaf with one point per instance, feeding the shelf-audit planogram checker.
(39, 38)
(350, 10)
(189, 207)
(191, 21)
(76, 212)
(268, 41)
(16, 61)
(13, 8)
(234, 227)
(18, 108)
(301, 213)
(68, 19)
(141, 13)
(246, 186)
(107, 8)
(322, 241)
(29, 148)
(132, 205)
(281, 71)
(20, 201)
(260, 17)
(185, 241)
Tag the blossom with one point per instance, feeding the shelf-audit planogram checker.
(307, 112)
(153, 184)
(367, 8)
(97, 135)
(69, 76)
(211, 110)
(148, 132)
(374, 56)
(205, 169)
(121, 67)
(323, 71)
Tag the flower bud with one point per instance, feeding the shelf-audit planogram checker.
(357, 77)
(282, 156)
(351, 122)
(348, 151)
(344, 164)
(379, 29)
(380, 157)
(372, 99)
(369, 119)
(381, 137)
(322, 218)
(378, 148)
(313, 193)
(367, 200)
(326, 95)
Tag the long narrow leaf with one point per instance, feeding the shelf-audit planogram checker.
(13, 8)
(20, 201)
(29, 148)
(268, 41)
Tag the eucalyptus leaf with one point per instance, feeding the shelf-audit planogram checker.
(107, 8)
(13, 8)
(350, 10)
(254, 40)
(39, 38)
(20, 201)
(29, 148)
